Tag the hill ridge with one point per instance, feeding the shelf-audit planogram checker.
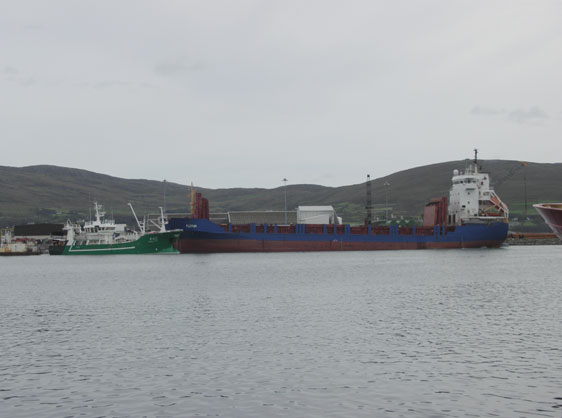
(50, 193)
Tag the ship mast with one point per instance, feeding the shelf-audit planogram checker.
(99, 212)
(162, 220)
(141, 227)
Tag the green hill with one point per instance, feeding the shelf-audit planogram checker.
(53, 194)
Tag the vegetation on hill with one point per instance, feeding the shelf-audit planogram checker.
(53, 194)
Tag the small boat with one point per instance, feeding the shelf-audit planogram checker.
(11, 246)
(104, 236)
(552, 215)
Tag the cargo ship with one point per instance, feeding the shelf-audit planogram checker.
(472, 216)
(552, 215)
(104, 236)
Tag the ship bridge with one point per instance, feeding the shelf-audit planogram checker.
(471, 198)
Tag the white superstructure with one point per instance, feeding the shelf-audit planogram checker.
(106, 231)
(102, 226)
(471, 198)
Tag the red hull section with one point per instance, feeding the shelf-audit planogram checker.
(552, 214)
(237, 246)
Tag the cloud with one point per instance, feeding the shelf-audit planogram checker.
(33, 27)
(27, 82)
(175, 67)
(10, 71)
(107, 84)
(14, 75)
(532, 115)
(485, 111)
(111, 83)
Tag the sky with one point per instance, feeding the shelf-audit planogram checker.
(246, 93)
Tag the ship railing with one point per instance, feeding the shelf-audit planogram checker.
(338, 229)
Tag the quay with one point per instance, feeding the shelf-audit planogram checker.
(532, 238)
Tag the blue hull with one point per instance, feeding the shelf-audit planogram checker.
(204, 236)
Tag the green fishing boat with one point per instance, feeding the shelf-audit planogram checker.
(103, 236)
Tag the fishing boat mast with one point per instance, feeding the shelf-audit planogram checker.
(141, 225)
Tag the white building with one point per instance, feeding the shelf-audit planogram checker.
(317, 215)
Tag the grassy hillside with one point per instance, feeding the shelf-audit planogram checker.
(53, 194)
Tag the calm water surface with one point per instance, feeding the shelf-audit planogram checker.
(453, 333)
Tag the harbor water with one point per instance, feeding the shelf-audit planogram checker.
(432, 333)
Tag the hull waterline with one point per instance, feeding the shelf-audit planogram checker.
(202, 236)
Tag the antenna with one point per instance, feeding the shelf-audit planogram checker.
(475, 156)
(369, 202)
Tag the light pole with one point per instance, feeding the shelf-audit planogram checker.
(386, 188)
(369, 203)
(285, 181)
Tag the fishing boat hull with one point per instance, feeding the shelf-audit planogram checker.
(57, 247)
(162, 242)
(552, 215)
(203, 236)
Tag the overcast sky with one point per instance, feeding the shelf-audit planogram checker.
(245, 93)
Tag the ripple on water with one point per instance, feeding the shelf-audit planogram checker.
(417, 334)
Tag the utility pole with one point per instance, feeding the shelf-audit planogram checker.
(525, 187)
(285, 181)
(369, 202)
(386, 189)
